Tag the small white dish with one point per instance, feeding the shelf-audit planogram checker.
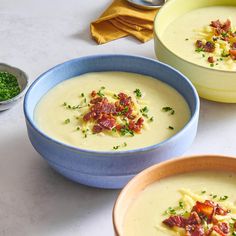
(22, 80)
(147, 4)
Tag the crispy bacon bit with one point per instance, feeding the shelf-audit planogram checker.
(201, 212)
(196, 230)
(221, 28)
(194, 219)
(216, 24)
(217, 230)
(209, 47)
(105, 113)
(178, 221)
(97, 129)
(234, 45)
(96, 100)
(224, 227)
(93, 94)
(211, 59)
(226, 26)
(89, 116)
(232, 53)
(204, 210)
(199, 44)
(107, 122)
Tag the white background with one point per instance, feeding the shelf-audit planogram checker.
(34, 200)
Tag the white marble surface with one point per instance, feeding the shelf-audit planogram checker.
(34, 200)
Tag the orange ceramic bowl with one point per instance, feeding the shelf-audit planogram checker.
(163, 170)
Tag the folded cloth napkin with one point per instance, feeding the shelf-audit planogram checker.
(120, 20)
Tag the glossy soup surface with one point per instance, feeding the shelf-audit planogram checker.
(61, 123)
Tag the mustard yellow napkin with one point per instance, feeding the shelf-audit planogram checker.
(120, 20)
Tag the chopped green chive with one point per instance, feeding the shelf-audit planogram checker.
(181, 204)
(151, 119)
(223, 198)
(166, 109)
(199, 50)
(67, 121)
(99, 93)
(82, 94)
(203, 192)
(171, 127)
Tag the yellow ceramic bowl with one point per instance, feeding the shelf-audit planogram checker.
(164, 170)
(211, 84)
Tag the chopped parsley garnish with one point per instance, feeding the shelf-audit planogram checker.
(78, 128)
(214, 196)
(211, 64)
(138, 93)
(186, 39)
(82, 95)
(203, 192)
(67, 121)
(116, 147)
(171, 127)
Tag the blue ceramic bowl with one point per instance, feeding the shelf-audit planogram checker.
(108, 169)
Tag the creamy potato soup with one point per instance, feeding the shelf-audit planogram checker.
(205, 36)
(112, 111)
(198, 203)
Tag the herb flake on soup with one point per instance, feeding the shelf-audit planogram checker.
(112, 111)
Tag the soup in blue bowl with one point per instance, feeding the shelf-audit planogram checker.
(99, 120)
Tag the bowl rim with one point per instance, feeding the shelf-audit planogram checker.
(158, 15)
(18, 96)
(149, 148)
(153, 168)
